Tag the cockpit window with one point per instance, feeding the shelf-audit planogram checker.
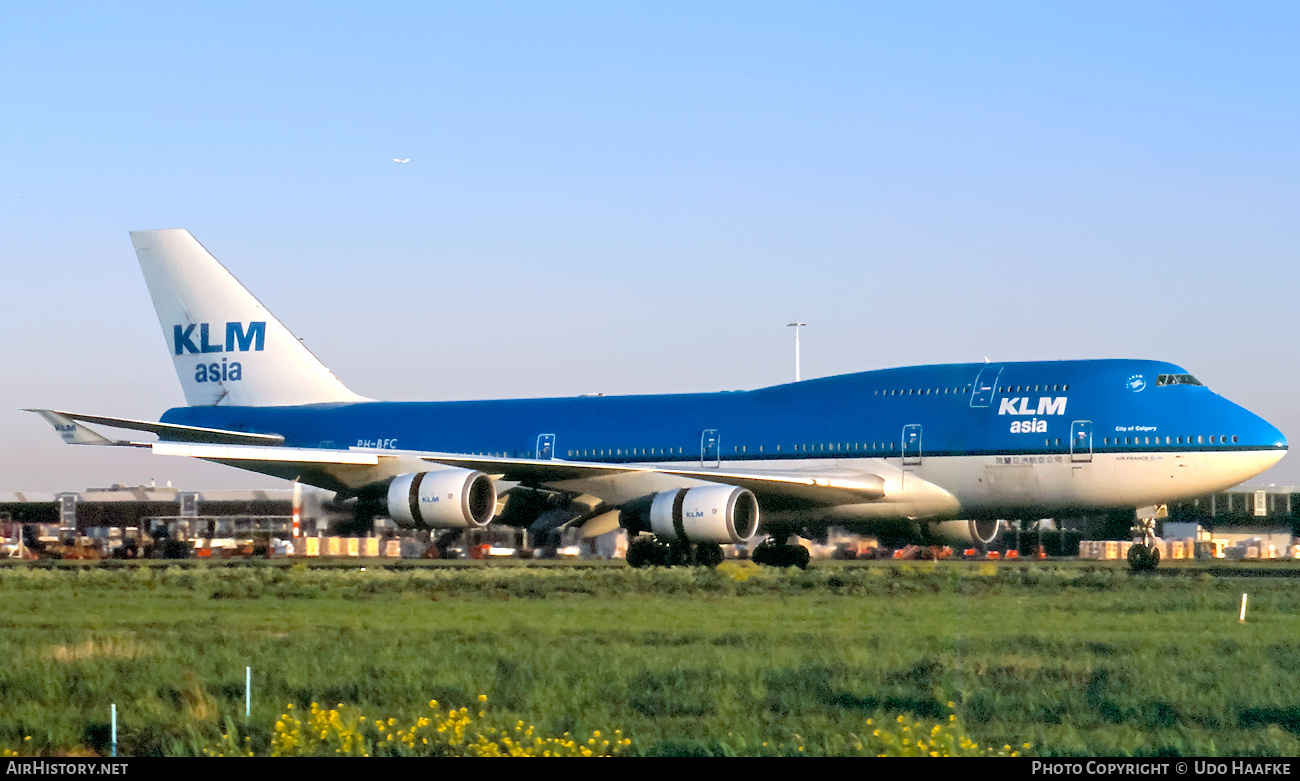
(1176, 379)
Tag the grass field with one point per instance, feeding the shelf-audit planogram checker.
(1081, 659)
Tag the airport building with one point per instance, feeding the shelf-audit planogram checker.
(191, 513)
(110, 518)
(1268, 515)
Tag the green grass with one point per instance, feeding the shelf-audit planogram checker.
(1073, 659)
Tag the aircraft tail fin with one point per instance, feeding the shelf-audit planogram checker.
(227, 348)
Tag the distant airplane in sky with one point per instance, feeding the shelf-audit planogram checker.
(924, 453)
(407, 160)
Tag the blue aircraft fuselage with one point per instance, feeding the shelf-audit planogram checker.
(983, 415)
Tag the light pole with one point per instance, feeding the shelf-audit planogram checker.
(796, 325)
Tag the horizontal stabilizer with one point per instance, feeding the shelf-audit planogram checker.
(72, 432)
(75, 434)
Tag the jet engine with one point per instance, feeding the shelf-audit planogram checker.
(718, 513)
(975, 532)
(442, 499)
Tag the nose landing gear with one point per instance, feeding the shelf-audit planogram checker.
(1145, 556)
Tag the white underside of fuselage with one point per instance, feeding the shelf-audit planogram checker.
(1007, 486)
(984, 485)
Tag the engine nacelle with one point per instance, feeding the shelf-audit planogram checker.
(975, 532)
(443, 499)
(717, 513)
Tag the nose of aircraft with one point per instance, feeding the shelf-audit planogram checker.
(1272, 443)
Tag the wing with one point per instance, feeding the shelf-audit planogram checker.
(620, 482)
(355, 469)
(785, 486)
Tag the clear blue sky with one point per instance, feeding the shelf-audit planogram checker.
(637, 197)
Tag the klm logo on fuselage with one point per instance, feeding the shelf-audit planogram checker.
(1019, 405)
(238, 339)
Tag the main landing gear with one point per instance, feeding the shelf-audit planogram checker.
(653, 552)
(773, 554)
(650, 551)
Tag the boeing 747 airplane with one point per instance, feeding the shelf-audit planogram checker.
(938, 451)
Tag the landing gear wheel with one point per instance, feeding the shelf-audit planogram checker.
(648, 552)
(636, 555)
(709, 554)
(775, 555)
(763, 554)
(1143, 558)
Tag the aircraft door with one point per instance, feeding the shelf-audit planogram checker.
(545, 447)
(710, 448)
(986, 385)
(1081, 441)
(911, 444)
